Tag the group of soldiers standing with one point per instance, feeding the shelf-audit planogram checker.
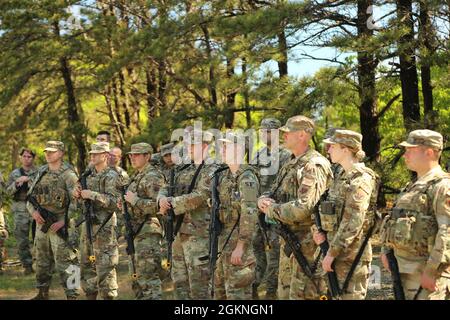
(303, 230)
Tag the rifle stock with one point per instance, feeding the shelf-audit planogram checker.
(89, 216)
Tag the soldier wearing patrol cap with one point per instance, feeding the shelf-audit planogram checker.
(191, 190)
(269, 159)
(102, 180)
(238, 190)
(347, 215)
(166, 158)
(141, 200)
(294, 194)
(52, 189)
(418, 228)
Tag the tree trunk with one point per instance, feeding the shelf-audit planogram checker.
(367, 64)
(231, 97)
(408, 69)
(426, 35)
(283, 62)
(77, 128)
(212, 80)
(245, 93)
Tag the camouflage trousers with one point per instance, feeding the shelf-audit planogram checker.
(284, 274)
(267, 260)
(53, 254)
(411, 285)
(100, 277)
(22, 224)
(357, 287)
(190, 270)
(301, 286)
(147, 286)
(234, 282)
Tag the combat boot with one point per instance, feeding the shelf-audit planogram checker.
(72, 298)
(42, 295)
(91, 296)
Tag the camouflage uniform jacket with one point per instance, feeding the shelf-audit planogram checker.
(238, 196)
(347, 226)
(146, 184)
(193, 205)
(264, 159)
(302, 181)
(419, 227)
(19, 194)
(53, 189)
(105, 193)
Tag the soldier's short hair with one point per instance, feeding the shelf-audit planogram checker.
(24, 149)
(106, 133)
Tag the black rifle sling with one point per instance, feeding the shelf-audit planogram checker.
(179, 219)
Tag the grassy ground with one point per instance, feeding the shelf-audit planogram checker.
(14, 285)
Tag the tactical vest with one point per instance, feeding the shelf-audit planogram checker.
(411, 227)
(50, 191)
(331, 210)
(21, 193)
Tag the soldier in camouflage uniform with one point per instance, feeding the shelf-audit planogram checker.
(418, 229)
(348, 213)
(53, 187)
(190, 270)
(141, 198)
(100, 276)
(296, 191)
(268, 160)
(17, 188)
(238, 191)
(166, 159)
(3, 231)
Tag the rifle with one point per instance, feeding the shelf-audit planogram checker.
(399, 294)
(129, 233)
(263, 227)
(169, 234)
(333, 282)
(89, 215)
(215, 227)
(49, 217)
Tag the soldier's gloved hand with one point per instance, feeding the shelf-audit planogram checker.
(87, 194)
(21, 180)
(56, 226)
(37, 217)
(319, 237)
(131, 197)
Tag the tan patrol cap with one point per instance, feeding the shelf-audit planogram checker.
(424, 137)
(298, 123)
(53, 146)
(233, 137)
(99, 147)
(140, 147)
(348, 138)
(199, 137)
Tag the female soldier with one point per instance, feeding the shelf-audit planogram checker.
(348, 214)
(238, 188)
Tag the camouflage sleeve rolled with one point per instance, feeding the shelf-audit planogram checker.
(11, 188)
(197, 198)
(313, 180)
(355, 207)
(108, 200)
(151, 183)
(440, 253)
(249, 189)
